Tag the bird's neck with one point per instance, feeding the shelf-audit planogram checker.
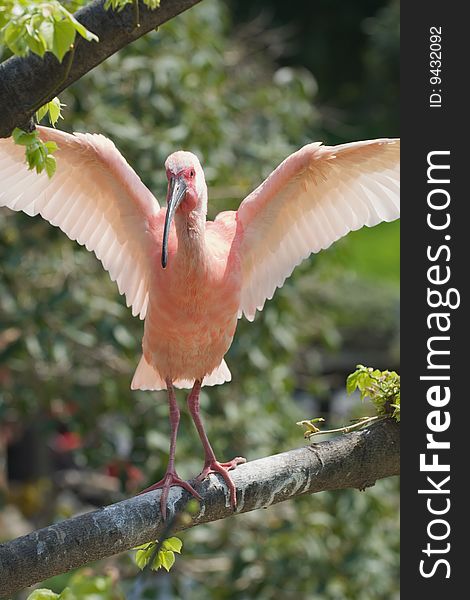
(190, 230)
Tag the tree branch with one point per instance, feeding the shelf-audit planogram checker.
(355, 460)
(25, 82)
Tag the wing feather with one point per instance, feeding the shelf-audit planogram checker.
(95, 197)
(316, 196)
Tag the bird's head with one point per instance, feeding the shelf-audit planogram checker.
(187, 191)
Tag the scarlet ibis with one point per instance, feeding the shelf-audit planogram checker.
(189, 278)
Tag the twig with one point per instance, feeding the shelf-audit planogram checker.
(362, 422)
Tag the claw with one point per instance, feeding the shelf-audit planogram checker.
(214, 466)
(170, 479)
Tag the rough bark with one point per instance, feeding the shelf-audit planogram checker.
(27, 82)
(355, 460)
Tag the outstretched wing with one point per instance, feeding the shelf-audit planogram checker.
(313, 198)
(95, 197)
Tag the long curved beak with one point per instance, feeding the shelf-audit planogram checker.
(176, 192)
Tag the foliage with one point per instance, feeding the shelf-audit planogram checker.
(38, 153)
(43, 594)
(382, 387)
(120, 4)
(68, 345)
(39, 27)
(53, 111)
(158, 555)
(86, 585)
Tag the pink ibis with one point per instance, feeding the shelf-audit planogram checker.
(190, 278)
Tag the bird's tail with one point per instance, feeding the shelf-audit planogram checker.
(147, 378)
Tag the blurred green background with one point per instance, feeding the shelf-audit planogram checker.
(241, 84)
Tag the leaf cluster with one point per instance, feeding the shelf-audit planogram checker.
(52, 110)
(38, 153)
(157, 555)
(118, 5)
(382, 387)
(39, 27)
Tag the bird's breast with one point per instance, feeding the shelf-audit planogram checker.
(192, 313)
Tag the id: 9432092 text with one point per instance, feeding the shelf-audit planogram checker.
(435, 66)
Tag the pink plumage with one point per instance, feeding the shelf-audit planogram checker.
(189, 278)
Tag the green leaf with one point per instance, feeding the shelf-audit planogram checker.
(46, 30)
(42, 594)
(14, 37)
(51, 147)
(50, 165)
(64, 37)
(89, 36)
(42, 112)
(142, 557)
(22, 137)
(173, 543)
(35, 158)
(143, 546)
(55, 110)
(351, 383)
(157, 562)
(152, 4)
(167, 559)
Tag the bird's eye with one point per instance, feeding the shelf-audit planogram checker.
(191, 173)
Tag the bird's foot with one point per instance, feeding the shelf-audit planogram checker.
(214, 466)
(170, 479)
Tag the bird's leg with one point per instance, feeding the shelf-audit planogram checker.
(211, 464)
(171, 477)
